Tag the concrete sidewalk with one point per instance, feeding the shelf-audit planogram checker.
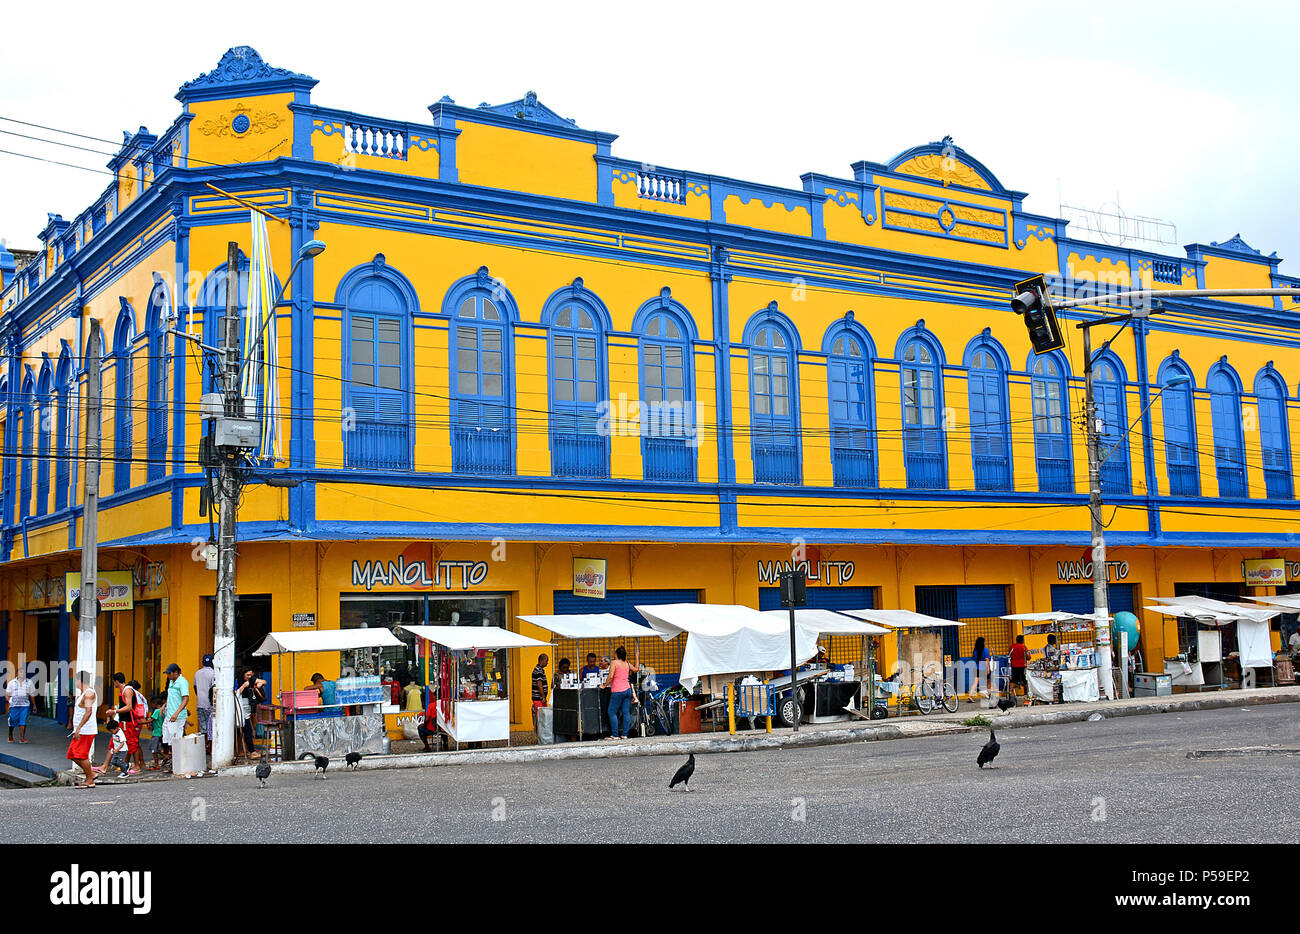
(44, 753)
(814, 734)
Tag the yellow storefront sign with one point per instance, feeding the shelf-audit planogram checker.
(589, 577)
(116, 590)
(1264, 572)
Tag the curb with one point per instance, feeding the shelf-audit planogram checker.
(750, 743)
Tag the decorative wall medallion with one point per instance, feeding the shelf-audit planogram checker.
(241, 119)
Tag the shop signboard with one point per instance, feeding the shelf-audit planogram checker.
(304, 620)
(116, 590)
(1264, 572)
(589, 577)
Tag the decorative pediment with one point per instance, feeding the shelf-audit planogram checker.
(240, 70)
(947, 163)
(1236, 245)
(529, 108)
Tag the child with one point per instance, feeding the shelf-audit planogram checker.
(155, 729)
(116, 755)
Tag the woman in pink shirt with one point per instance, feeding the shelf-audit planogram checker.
(619, 681)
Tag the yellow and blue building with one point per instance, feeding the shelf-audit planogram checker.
(519, 349)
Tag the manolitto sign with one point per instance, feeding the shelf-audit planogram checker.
(115, 589)
(1264, 572)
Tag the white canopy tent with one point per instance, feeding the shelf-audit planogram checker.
(729, 639)
(902, 619)
(1054, 616)
(593, 626)
(1254, 644)
(326, 640)
(1288, 601)
(459, 638)
(826, 622)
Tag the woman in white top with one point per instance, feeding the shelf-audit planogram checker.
(81, 748)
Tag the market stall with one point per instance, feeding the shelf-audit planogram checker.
(919, 644)
(1077, 676)
(473, 677)
(581, 706)
(1201, 662)
(842, 686)
(348, 715)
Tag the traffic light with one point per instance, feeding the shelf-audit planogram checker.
(1035, 306)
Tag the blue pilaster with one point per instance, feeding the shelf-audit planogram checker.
(65, 655)
(180, 355)
(1140, 331)
(721, 278)
(302, 439)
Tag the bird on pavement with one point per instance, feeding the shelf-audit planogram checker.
(1006, 703)
(322, 763)
(263, 772)
(684, 774)
(353, 759)
(989, 752)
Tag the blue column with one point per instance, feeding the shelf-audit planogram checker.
(1140, 329)
(302, 439)
(721, 277)
(65, 655)
(180, 355)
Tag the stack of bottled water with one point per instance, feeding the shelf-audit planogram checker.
(364, 689)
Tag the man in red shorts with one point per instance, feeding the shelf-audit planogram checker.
(81, 745)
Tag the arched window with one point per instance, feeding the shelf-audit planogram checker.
(63, 389)
(26, 415)
(1112, 440)
(989, 438)
(1181, 459)
(481, 375)
(122, 422)
(377, 329)
(1225, 413)
(668, 431)
(1051, 424)
(1274, 438)
(156, 317)
(852, 415)
(44, 430)
(577, 323)
(772, 393)
(212, 306)
(923, 447)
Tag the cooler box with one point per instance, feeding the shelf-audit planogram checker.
(295, 700)
(189, 754)
(1151, 684)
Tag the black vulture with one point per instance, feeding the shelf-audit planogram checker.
(322, 763)
(684, 774)
(353, 759)
(989, 752)
(263, 772)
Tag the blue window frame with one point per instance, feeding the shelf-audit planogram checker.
(990, 441)
(377, 363)
(482, 439)
(852, 411)
(668, 441)
(122, 379)
(1112, 440)
(1229, 446)
(774, 426)
(156, 424)
(63, 429)
(923, 443)
(1051, 424)
(576, 341)
(1274, 438)
(1181, 460)
(212, 306)
(44, 419)
(26, 414)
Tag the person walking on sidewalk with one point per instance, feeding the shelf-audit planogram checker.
(204, 679)
(81, 741)
(538, 679)
(980, 656)
(19, 692)
(619, 681)
(178, 698)
(1019, 660)
(130, 713)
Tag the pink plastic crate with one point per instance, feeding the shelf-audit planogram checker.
(295, 700)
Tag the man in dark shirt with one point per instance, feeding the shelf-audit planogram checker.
(539, 686)
(591, 668)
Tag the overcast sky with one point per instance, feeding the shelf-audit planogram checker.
(1179, 111)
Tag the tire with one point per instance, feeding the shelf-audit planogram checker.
(788, 710)
(949, 701)
(880, 712)
(924, 702)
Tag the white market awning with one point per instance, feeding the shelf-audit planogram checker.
(826, 622)
(1210, 609)
(1055, 616)
(592, 626)
(472, 637)
(327, 640)
(1289, 601)
(902, 619)
(708, 619)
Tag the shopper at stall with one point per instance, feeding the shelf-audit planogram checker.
(1294, 644)
(130, 713)
(980, 656)
(250, 693)
(591, 668)
(81, 741)
(19, 692)
(317, 685)
(1019, 657)
(561, 671)
(619, 681)
(178, 699)
(430, 725)
(204, 680)
(1052, 653)
(539, 685)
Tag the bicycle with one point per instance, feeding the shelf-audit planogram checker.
(935, 691)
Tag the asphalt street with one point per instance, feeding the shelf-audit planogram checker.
(1114, 781)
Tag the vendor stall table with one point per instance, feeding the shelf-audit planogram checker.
(904, 624)
(473, 678)
(1077, 677)
(1200, 663)
(332, 730)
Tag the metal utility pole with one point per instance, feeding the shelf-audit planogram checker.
(1100, 594)
(794, 593)
(87, 644)
(227, 500)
